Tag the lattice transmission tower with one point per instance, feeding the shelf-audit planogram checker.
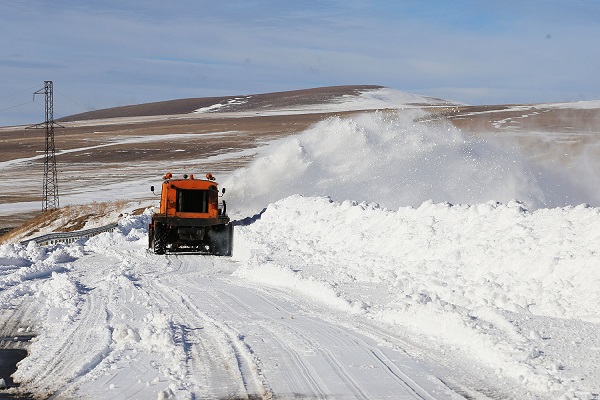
(50, 184)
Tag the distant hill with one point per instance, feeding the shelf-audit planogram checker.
(250, 102)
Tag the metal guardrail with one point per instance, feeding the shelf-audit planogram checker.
(69, 237)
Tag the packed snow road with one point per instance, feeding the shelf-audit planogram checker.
(124, 323)
(321, 300)
(276, 344)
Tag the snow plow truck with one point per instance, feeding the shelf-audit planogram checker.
(191, 218)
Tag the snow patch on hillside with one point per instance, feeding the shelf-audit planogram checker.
(384, 98)
(219, 106)
(579, 105)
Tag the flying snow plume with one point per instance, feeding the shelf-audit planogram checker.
(396, 159)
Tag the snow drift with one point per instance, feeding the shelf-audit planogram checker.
(463, 275)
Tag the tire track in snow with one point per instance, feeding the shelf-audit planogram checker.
(227, 339)
(333, 332)
(318, 336)
(309, 375)
(400, 376)
(277, 344)
(466, 388)
(333, 337)
(201, 355)
(385, 363)
(202, 343)
(213, 298)
(85, 338)
(217, 290)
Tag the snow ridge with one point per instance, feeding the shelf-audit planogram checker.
(457, 274)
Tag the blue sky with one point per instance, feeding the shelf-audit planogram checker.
(109, 53)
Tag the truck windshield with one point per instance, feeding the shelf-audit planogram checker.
(195, 201)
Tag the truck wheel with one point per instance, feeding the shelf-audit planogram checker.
(160, 239)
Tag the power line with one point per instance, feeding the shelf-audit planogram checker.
(75, 102)
(18, 105)
(41, 105)
(14, 94)
(28, 90)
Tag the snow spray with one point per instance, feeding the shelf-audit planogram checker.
(394, 158)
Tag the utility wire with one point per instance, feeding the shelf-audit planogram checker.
(14, 94)
(55, 113)
(75, 102)
(18, 105)
(41, 105)
(19, 92)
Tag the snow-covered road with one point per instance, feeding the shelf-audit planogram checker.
(280, 343)
(122, 323)
(321, 300)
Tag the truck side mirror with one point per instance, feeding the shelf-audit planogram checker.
(223, 191)
(152, 189)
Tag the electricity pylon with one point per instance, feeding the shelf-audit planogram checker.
(50, 186)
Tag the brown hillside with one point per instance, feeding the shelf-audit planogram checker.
(255, 102)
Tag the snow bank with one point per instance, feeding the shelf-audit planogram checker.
(19, 264)
(390, 158)
(454, 273)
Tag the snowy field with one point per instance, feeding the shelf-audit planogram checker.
(375, 257)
